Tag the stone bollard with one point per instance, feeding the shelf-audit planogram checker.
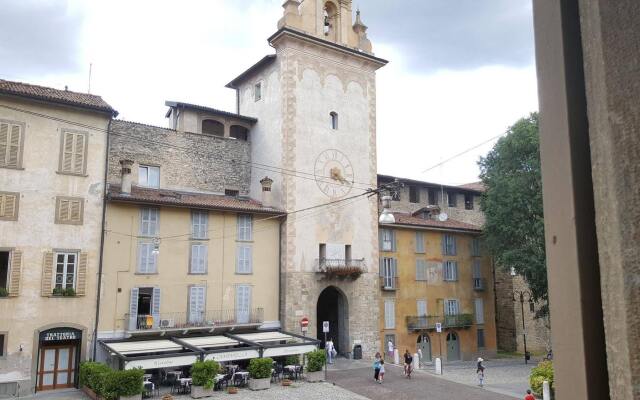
(396, 357)
(438, 365)
(416, 362)
(546, 391)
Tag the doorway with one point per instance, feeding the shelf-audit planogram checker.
(453, 347)
(57, 367)
(333, 307)
(424, 345)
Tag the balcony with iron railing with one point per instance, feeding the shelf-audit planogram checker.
(428, 322)
(479, 284)
(340, 267)
(193, 321)
(389, 283)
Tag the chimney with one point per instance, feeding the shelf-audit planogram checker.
(266, 191)
(125, 186)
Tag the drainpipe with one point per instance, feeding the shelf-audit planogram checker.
(104, 214)
(280, 313)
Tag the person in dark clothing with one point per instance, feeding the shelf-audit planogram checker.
(376, 367)
(480, 372)
(408, 360)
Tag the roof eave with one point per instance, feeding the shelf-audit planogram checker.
(434, 228)
(109, 111)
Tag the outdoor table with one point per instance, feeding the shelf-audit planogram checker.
(175, 373)
(147, 383)
(219, 377)
(147, 376)
(185, 381)
(243, 374)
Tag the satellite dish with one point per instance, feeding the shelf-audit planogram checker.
(443, 217)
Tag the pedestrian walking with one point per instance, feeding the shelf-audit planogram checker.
(330, 350)
(480, 372)
(390, 349)
(376, 367)
(529, 396)
(408, 361)
(381, 374)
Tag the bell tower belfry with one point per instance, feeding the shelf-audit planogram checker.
(315, 102)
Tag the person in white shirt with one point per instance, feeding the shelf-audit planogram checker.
(390, 347)
(330, 349)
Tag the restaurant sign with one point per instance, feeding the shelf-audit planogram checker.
(59, 335)
(233, 355)
(161, 362)
(288, 350)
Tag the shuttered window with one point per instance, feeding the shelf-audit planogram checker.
(199, 224)
(11, 137)
(73, 153)
(448, 245)
(243, 304)
(475, 247)
(149, 218)
(245, 227)
(419, 242)
(421, 270)
(147, 260)
(452, 307)
(65, 270)
(421, 306)
(9, 206)
(387, 240)
(389, 314)
(388, 272)
(479, 308)
(197, 296)
(69, 210)
(450, 270)
(244, 261)
(198, 263)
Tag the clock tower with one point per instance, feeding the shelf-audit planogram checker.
(315, 101)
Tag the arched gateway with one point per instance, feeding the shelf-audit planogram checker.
(333, 307)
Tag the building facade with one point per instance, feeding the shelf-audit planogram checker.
(315, 104)
(52, 163)
(433, 271)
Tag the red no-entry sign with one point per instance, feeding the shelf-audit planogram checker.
(304, 322)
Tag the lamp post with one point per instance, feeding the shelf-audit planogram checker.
(524, 296)
(386, 217)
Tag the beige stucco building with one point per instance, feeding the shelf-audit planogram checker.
(52, 163)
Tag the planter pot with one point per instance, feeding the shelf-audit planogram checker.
(90, 393)
(198, 392)
(286, 382)
(232, 390)
(316, 376)
(134, 397)
(259, 384)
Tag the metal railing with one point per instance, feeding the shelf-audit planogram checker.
(448, 321)
(338, 265)
(185, 320)
(389, 283)
(479, 284)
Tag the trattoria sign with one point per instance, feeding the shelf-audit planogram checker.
(60, 335)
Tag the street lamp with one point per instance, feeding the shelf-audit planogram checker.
(386, 217)
(524, 296)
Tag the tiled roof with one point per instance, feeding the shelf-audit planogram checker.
(210, 110)
(188, 199)
(473, 186)
(408, 219)
(83, 100)
(390, 178)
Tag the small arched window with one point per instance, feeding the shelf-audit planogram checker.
(239, 132)
(334, 120)
(212, 127)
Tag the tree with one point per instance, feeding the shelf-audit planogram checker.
(512, 203)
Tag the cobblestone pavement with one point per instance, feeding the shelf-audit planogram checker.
(503, 375)
(422, 385)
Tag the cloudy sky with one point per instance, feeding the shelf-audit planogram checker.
(460, 73)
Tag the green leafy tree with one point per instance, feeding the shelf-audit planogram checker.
(512, 203)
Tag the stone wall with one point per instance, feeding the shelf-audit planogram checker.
(188, 161)
(505, 317)
(538, 330)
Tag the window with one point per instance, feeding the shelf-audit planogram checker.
(475, 247)
(334, 120)
(65, 275)
(198, 264)
(477, 275)
(388, 272)
(73, 153)
(452, 199)
(5, 256)
(11, 139)
(419, 242)
(239, 132)
(245, 222)
(199, 224)
(243, 304)
(212, 127)
(69, 210)
(432, 194)
(147, 259)
(257, 91)
(450, 270)
(149, 221)
(468, 201)
(479, 307)
(448, 245)
(421, 306)
(452, 307)
(231, 192)
(149, 176)
(390, 338)
(387, 240)
(421, 270)
(414, 194)
(389, 314)
(197, 296)
(244, 262)
(3, 344)
(9, 202)
(480, 338)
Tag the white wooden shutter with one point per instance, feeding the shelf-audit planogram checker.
(10, 139)
(199, 224)
(75, 211)
(63, 210)
(479, 305)
(419, 242)
(389, 314)
(477, 271)
(78, 150)
(9, 206)
(67, 152)
(15, 271)
(155, 306)
(421, 306)
(393, 240)
(146, 259)
(81, 279)
(421, 270)
(47, 277)
(196, 303)
(133, 309)
(198, 258)
(243, 303)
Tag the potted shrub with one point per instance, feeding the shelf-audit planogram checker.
(69, 292)
(315, 366)
(129, 384)
(260, 373)
(542, 372)
(202, 375)
(93, 376)
(58, 291)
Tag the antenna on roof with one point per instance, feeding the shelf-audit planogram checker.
(89, 89)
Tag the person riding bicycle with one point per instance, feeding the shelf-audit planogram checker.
(408, 360)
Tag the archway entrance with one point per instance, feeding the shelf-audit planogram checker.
(424, 344)
(333, 307)
(453, 347)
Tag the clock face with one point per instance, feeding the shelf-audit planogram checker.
(334, 173)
